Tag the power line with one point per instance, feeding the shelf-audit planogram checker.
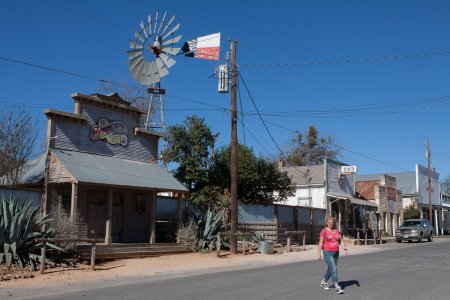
(242, 116)
(348, 61)
(52, 69)
(367, 110)
(265, 126)
(348, 150)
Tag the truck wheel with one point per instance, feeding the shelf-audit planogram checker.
(420, 238)
(430, 238)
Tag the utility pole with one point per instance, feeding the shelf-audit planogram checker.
(233, 167)
(430, 203)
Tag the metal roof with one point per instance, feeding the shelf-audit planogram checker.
(99, 169)
(352, 199)
(305, 175)
(33, 173)
(406, 181)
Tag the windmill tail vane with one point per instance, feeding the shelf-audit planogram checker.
(206, 47)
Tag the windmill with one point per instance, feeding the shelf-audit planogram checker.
(153, 49)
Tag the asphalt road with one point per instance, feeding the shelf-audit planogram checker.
(407, 271)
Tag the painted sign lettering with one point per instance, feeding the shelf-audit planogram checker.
(114, 133)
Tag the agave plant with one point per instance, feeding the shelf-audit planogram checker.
(19, 229)
(209, 226)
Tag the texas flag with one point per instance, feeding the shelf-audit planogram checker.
(206, 47)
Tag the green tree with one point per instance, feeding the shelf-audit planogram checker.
(311, 149)
(190, 146)
(259, 180)
(411, 212)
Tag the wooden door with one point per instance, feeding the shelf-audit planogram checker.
(117, 217)
(96, 217)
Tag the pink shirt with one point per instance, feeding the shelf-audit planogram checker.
(332, 240)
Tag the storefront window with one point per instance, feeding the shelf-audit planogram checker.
(65, 200)
(139, 204)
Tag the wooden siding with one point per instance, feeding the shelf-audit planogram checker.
(71, 135)
(57, 172)
(344, 185)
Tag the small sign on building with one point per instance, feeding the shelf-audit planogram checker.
(348, 169)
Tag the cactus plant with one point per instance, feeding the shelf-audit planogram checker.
(19, 229)
(209, 225)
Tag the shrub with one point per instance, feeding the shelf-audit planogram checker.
(187, 235)
(64, 227)
(19, 229)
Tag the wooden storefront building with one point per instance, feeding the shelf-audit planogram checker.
(102, 166)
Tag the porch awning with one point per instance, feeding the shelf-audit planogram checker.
(352, 200)
(105, 170)
(362, 202)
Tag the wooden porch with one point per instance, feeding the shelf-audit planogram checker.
(118, 250)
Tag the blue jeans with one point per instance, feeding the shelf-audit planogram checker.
(331, 259)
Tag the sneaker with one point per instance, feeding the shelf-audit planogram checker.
(339, 290)
(324, 285)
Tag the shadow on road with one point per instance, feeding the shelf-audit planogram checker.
(347, 283)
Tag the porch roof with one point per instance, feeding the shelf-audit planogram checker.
(99, 169)
(352, 199)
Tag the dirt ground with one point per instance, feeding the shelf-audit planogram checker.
(175, 265)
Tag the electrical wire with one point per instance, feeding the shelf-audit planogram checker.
(265, 126)
(347, 150)
(348, 61)
(242, 116)
(52, 69)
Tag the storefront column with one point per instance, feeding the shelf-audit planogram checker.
(436, 221)
(109, 208)
(152, 218)
(74, 201)
(179, 212)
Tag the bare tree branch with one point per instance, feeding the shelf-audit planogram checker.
(18, 141)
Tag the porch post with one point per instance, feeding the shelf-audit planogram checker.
(74, 201)
(152, 217)
(109, 207)
(179, 210)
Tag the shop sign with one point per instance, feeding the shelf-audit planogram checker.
(348, 169)
(114, 133)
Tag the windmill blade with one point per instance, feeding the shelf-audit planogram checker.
(148, 74)
(156, 22)
(162, 21)
(143, 29)
(173, 40)
(138, 36)
(171, 50)
(134, 53)
(137, 68)
(168, 61)
(149, 19)
(154, 70)
(172, 31)
(144, 71)
(147, 80)
(133, 62)
(135, 45)
(168, 25)
(162, 69)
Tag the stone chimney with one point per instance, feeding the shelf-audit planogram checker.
(281, 163)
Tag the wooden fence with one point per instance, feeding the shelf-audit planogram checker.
(273, 221)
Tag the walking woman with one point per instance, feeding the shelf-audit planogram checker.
(330, 239)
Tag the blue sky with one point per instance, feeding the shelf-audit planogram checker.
(90, 38)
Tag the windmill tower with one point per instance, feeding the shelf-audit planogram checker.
(153, 49)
